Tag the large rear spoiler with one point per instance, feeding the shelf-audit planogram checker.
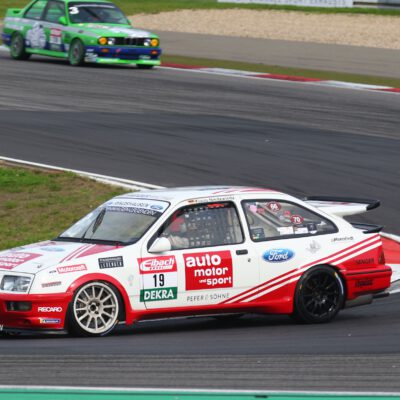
(342, 206)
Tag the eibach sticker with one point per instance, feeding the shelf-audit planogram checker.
(11, 260)
(159, 278)
(209, 270)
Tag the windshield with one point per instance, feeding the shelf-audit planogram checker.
(109, 13)
(120, 220)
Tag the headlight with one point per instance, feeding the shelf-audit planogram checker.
(13, 283)
(111, 41)
(151, 42)
(103, 41)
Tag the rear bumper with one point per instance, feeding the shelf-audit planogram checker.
(368, 281)
(47, 311)
(122, 55)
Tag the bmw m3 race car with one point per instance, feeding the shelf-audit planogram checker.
(94, 31)
(195, 251)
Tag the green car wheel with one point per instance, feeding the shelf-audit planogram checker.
(17, 48)
(76, 53)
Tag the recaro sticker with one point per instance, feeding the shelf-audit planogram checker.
(159, 276)
(210, 270)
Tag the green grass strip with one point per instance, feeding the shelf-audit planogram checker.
(75, 394)
(155, 6)
(274, 69)
(37, 205)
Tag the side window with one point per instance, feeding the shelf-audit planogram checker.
(36, 10)
(211, 224)
(273, 219)
(54, 11)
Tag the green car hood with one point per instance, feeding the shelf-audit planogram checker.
(112, 30)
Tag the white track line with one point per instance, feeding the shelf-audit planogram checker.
(195, 391)
(110, 180)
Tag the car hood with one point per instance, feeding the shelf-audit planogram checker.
(36, 257)
(111, 30)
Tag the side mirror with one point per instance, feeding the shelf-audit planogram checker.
(62, 21)
(160, 245)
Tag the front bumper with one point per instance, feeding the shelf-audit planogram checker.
(123, 55)
(47, 312)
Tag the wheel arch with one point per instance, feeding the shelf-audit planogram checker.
(97, 277)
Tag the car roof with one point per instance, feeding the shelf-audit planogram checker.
(180, 194)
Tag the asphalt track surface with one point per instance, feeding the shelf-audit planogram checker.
(182, 128)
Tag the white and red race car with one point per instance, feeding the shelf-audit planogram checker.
(195, 251)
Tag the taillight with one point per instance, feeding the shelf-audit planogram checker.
(381, 259)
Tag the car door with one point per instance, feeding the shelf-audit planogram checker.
(287, 237)
(209, 260)
(52, 27)
(34, 33)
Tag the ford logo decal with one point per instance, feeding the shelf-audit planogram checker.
(278, 255)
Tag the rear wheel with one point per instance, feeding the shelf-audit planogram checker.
(76, 55)
(94, 310)
(17, 47)
(319, 295)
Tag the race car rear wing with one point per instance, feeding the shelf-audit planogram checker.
(342, 206)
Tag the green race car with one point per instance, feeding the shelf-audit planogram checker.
(93, 31)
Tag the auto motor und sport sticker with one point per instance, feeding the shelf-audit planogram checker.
(159, 278)
(209, 270)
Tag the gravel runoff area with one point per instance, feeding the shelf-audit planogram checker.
(353, 30)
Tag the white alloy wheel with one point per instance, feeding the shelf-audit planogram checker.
(95, 309)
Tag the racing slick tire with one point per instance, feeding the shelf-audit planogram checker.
(319, 296)
(144, 66)
(17, 47)
(76, 55)
(95, 310)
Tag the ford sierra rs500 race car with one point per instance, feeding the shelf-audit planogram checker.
(82, 31)
(195, 251)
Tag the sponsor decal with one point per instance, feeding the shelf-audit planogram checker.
(49, 320)
(313, 247)
(286, 230)
(111, 262)
(50, 284)
(137, 206)
(312, 228)
(209, 270)
(257, 233)
(343, 239)
(274, 206)
(170, 293)
(207, 297)
(12, 259)
(278, 255)
(52, 248)
(36, 37)
(363, 283)
(159, 278)
(71, 268)
(362, 261)
(296, 219)
(298, 230)
(55, 36)
(157, 264)
(50, 309)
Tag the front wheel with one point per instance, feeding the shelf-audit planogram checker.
(319, 295)
(94, 310)
(17, 48)
(76, 55)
